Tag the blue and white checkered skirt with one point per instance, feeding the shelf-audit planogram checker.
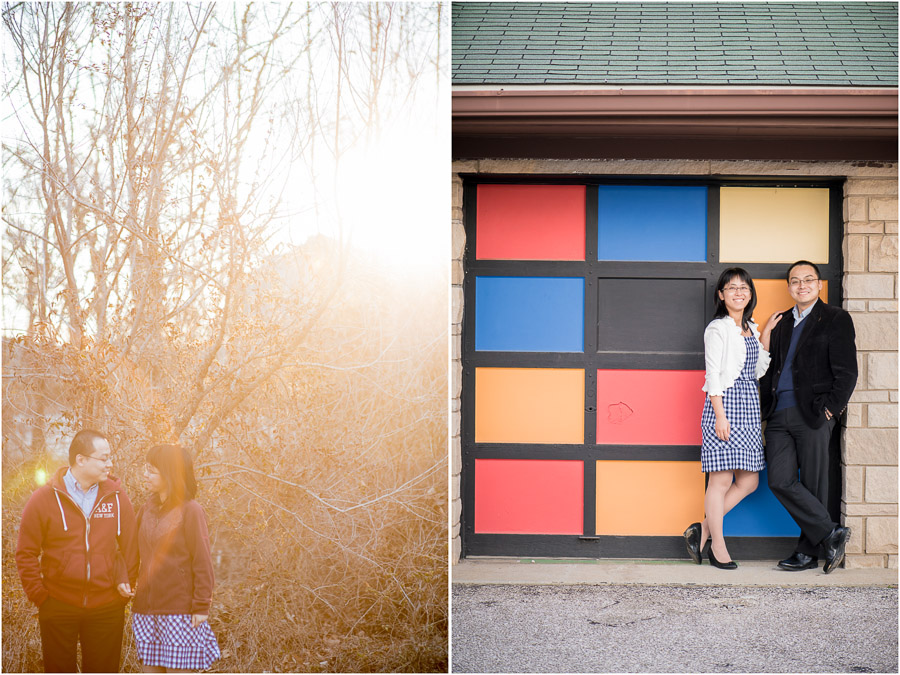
(743, 450)
(169, 640)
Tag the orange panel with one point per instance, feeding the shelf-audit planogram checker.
(648, 498)
(529, 405)
(772, 296)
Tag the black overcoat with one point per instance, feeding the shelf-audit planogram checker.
(824, 366)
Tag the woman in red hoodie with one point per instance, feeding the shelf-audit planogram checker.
(175, 584)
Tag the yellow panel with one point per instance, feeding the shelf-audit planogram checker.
(648, 498)
(773, 225)
(772, 296)
(529, 405)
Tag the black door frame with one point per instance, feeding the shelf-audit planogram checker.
(588, 545)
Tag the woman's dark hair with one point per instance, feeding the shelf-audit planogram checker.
(177, 471)
(724, 278)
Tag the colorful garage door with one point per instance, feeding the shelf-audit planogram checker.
(585, 305)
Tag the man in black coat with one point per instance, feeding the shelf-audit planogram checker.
(807, 387)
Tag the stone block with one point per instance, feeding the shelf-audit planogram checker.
(456, 510)
(861, 363)
(857, 286)
(892, 562)
(870, 186)
(456, 196)
(456, 379)
(864, 227)
(458, 245)
(454, 531)
(882, 306)
(853, 483)
(881, 370)
(881, 535)
(854, 415)
(456, 456)
(867, 510)
(455, 550)
(456, 312)
(870, 446)
(855, 253)
(881, 485)
(876, 332)
(854, 305)
(882, 415)
(856, 209)
(457, 275)
(890, 226)
(858, 562)
(894, 396)
(882, 208)
(857, 526)
(883, 253)
(464, 166)
(863, 396)
(455, 424)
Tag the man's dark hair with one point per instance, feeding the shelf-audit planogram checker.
(787, 277)
(83, 444)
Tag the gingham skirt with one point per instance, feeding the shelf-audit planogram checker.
(169, 640)
(743, 450)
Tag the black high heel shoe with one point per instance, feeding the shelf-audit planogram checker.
(722, 566)
(692, 542)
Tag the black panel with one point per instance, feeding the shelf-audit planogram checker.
(651, 315)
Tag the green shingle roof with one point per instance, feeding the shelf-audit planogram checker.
(713, 43)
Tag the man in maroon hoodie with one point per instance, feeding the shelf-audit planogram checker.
(77, 545)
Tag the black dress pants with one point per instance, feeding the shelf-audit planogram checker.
(99, 629)
(794, 449)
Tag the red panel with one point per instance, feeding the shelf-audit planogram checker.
(649, 407)
(529, 496)
(530, 222)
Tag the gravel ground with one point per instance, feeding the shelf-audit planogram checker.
(665, 629)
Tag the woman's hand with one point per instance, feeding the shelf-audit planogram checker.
(723, 427)
(125, 590)
(197, 619)
(767, 330)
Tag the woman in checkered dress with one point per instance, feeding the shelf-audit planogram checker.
(174, 587)
(732, 453)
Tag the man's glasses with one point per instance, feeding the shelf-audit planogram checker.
(808, 281)
(103, 460)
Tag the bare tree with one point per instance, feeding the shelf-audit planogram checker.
(161, 155)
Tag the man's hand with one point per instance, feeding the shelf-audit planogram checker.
(125, 590)
(197, 619)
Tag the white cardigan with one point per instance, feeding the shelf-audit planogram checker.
(725, 354)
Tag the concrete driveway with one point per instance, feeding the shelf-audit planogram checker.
(669, 616)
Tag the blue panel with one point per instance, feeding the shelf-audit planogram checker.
(760, 515)
(647, 222)
(529, 314)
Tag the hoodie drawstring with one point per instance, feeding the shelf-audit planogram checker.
(118, 517)
(61, 512)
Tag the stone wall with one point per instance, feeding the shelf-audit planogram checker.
(869, 443)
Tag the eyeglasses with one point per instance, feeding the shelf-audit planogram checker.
(808, 281)
(103, 460)
(735, 289)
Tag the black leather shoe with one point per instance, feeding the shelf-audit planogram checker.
(834, 545)
(692, 541)
(731, 565)
(799, 562)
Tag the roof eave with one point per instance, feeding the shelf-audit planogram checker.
(859, 123)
